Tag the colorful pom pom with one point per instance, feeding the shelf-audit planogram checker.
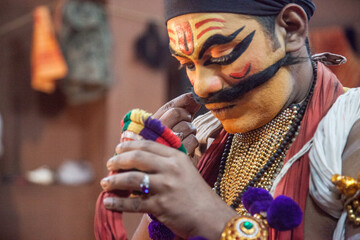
(140, 122)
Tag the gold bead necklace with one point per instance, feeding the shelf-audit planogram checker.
(250, 152)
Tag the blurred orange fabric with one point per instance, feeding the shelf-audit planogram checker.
(48, 64)
(333, 39)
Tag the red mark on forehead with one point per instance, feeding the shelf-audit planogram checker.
(205, 21)
(200, 23)
(206, 30)
(242, 73)
(172, 40)
(185, 36)
(171, 32)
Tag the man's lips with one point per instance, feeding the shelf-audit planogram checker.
(221, 109)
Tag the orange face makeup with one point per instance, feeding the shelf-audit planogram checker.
(220, 50)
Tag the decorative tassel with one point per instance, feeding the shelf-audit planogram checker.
(282, 213)
(256, 200)
(158, 231)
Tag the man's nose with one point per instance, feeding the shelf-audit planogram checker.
(207, 81)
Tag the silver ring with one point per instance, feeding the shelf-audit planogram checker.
(145, 185)
(179, 135)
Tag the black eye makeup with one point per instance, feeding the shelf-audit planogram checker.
(219, 39)
(238, 50)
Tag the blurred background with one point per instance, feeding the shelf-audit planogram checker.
(69, 71)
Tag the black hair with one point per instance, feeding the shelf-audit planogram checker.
(268, 23)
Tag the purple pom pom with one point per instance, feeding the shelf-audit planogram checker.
(256, 200)
(158, 231)
(198, 238)
(152, 217)
(284, 214)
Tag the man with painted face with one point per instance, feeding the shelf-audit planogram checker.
(249, 64)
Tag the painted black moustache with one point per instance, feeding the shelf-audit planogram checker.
(244, 86)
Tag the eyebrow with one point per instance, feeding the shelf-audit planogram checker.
(237, 51)
(218, 39)
(173, 52)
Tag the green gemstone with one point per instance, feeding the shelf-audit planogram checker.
(248, 225)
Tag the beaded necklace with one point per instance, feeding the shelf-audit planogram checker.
(254, 159)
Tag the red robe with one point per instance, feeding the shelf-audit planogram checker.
(108, 225)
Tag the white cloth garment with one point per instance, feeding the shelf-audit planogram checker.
(207, 125)
(325, 156)
(326, 148)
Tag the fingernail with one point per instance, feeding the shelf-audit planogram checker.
(105, 182)
(108, 202)
(118, 149)
(109, 163)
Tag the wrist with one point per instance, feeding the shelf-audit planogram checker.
(212, 226)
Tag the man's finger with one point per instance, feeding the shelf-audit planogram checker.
(135, 158)
(158, 149)
(185, 101)
(175, 115)
(190, 143)
(128, 181)
(184, 127)
(136, 204)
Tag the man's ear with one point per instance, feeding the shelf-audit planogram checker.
(293, 20)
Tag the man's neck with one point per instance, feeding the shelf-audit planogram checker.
(303, 76)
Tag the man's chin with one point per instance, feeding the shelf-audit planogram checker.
(233, 126)
(242, 124)
(231, 117)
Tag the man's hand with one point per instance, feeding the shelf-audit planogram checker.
(177, 115)
(178, 196)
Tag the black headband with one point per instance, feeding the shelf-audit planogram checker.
(175, 8)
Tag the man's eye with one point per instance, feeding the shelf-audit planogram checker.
(223, 60)
(189, 66)
(219, 52)
(236, 52)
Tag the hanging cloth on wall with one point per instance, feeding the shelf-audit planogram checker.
(48, 64)
(85, 38)
(150, 48)
(334, 39)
